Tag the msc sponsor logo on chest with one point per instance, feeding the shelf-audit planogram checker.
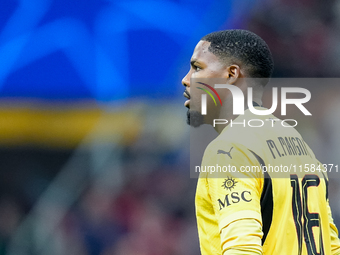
(234, 197)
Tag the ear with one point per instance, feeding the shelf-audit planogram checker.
(233, 73)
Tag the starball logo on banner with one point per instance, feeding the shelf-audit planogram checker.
(239, 103)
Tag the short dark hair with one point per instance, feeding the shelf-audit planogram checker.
(244, 48)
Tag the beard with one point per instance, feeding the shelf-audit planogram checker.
(194, 118)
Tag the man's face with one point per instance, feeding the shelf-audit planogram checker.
(203, 64)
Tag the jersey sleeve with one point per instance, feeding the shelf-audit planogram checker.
(335, 243)
(249, 242)
(236, 195)
(334, 234)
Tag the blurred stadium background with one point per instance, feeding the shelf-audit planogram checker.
(94, 149)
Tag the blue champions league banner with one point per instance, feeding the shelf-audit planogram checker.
(104, 50)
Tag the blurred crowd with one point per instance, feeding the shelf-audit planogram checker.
(150, 213)
(303, 36)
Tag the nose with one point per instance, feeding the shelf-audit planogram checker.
(186, 80)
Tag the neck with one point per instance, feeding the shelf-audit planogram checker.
(226, 112)
(227, 115)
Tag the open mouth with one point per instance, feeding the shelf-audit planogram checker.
(187, 95)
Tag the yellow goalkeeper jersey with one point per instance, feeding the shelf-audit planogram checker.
(262, 191)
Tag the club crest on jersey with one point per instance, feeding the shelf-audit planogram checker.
(229, 183)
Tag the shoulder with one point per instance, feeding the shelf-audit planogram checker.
(223, 157)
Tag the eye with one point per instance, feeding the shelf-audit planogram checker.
(197, 68)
